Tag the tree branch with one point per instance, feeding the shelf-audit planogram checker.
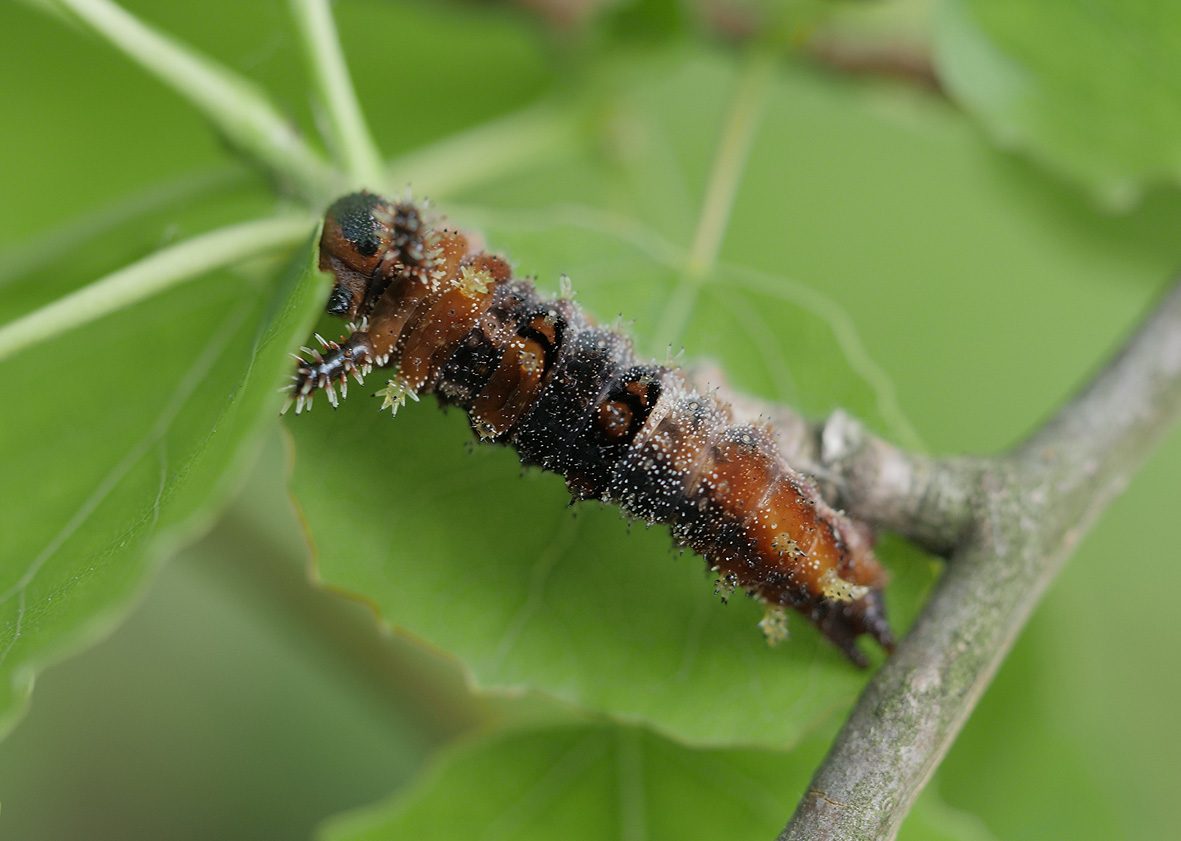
(1028, 511)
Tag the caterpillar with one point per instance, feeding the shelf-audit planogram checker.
(539, 375)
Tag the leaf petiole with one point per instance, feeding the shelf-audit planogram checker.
(232, 103)
(153, 274)
(351, 137)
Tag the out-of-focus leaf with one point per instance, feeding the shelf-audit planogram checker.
(610, 782)
(1071, 712)
(932, 819)
(1092, 90)
(231, 676)
(156, 409)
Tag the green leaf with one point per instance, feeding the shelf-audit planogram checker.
(836, 274)
(610, 782)
(454, 547)
(932, 819)
(86, 393)
(231, 675)
(129, 433)
(592, 783)
(532, 596)
(1091, 90)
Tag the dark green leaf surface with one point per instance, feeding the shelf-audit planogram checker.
(1092, 90)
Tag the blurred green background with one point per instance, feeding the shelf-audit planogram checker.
(948, 265)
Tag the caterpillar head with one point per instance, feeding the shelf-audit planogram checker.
(367, 241)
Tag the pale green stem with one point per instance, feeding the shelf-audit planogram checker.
(164, 269)
(351, 137)
(233, 104)
(726, 174)
(718, 202)
(37, 251)
(488, 151)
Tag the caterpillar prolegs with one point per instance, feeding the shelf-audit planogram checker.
(538, 375)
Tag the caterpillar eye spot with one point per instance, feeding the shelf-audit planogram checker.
(568, 396)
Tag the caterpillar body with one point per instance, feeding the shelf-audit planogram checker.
(538, 375)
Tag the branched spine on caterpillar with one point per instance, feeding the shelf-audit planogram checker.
(569, 396)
